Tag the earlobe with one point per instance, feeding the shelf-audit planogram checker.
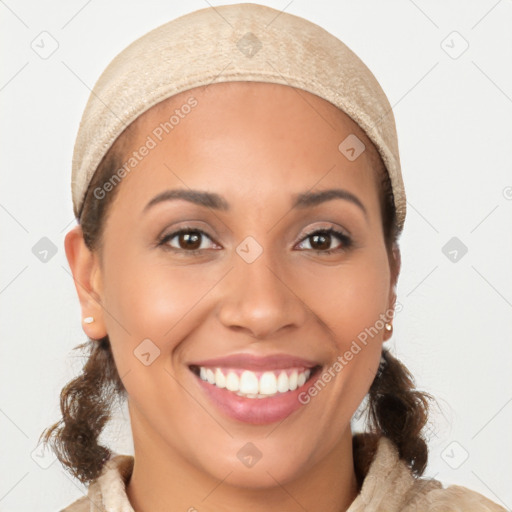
(390, 313)
(87, 278)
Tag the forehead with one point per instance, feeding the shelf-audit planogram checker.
(255, 98)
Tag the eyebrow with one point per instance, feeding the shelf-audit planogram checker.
(217, 202)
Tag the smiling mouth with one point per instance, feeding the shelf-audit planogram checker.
(256, 384)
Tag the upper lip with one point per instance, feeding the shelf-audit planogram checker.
(253, 362)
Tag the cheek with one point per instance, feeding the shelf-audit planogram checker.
(350, 298)
(151, 300)
(351, 301)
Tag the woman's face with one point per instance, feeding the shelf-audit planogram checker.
(249, 283)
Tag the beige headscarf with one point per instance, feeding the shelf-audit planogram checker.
(241, 42)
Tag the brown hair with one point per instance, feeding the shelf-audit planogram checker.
(395, 408)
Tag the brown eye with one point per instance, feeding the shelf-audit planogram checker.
(191, 240)
(321, 240)
(188, 240)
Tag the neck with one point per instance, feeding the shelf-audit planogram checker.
(163, 480)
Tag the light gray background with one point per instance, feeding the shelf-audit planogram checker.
(453, 115)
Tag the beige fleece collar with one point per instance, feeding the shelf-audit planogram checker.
(389, 486)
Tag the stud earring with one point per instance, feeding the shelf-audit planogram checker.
(388, 326)
(88, 320)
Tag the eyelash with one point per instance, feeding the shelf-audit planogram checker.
(346, 240)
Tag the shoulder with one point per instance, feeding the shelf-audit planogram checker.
(454, 498)
(389, 485)
(108, 491)
(82, 504)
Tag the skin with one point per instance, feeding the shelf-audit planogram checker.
(291, 299)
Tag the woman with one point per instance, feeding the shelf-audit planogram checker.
(237, 186)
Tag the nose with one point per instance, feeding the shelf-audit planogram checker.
(259, 298)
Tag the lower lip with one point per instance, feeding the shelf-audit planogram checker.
(257, 411)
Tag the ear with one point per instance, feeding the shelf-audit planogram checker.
(86, 272)
(395, 265)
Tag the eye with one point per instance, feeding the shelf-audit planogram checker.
(188, 240)
(322, 240)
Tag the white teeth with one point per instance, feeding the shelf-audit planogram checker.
(232, 382)
(293, 381)
(220, 380)
(249, 385)
(283, 384)
(268, 384)
(210, 376)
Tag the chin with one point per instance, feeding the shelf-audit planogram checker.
(263, 474)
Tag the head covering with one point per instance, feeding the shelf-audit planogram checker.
(229, 43)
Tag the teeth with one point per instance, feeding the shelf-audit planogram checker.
(210, 376)
(268, 384)
(232, 382)
(248, 383)
(220, 380)
(252, 385)
(283, 383)
(293, 380)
